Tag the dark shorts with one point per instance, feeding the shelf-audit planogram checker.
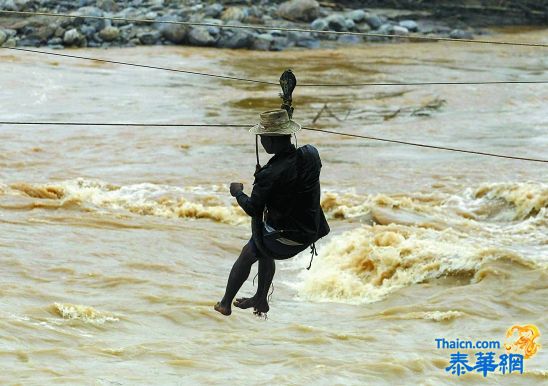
(282, 250)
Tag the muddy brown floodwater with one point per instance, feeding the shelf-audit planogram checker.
(115, 242)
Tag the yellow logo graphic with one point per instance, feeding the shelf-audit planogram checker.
(525, 344)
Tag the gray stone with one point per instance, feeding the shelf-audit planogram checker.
(148, 38)
(109, 34)
(357, 15)
(201, 36)
(399, 30)
(234, 13)
(349, 24)
(308, 43)
(460, 34)
(175, 33)
(385, 28)
(11, 42)
(3, 37)
(374, 21)
(236, 39)
(26, 42)
(320, 25)
(42, 34)
(55, 42)
(107, 5)
(214, 10)
(8, 5)
(336, 22)
(98, 24)
(364, 27)
(263, 42)
(279, 44)
(349, 39)
(304, 10)
(410, 25)
(72, 37)
(88, 31)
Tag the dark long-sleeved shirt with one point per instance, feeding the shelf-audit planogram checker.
(274, 188)
(288, 187)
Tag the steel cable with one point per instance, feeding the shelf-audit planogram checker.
(19, 123)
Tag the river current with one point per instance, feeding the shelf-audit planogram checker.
(116, 242)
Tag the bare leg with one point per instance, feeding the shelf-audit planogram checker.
(265, 266)
(238, 275)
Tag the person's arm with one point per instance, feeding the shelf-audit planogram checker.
(254, 205)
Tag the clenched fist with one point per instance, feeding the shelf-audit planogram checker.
(235, 188)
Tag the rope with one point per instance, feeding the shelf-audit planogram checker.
(427, 146)
(274, 83)
(16, 123)
(269, 28)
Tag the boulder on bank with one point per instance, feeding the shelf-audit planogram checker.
(148, 38)
(303, 10)
(202, 36)
(73, 38)
(109, 34)
(235, 39)
(174, 33)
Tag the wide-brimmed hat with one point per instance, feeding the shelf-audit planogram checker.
(275, 122)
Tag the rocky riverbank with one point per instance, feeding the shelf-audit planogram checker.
(61, 32)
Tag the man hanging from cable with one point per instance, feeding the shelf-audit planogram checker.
(284, 204)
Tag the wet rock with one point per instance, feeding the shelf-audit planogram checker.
(55, 42)
(336, 22)
(214, 10)
(303, 39)
(201, 36)
(308, 43)
(88, 31)
(3, 37)
(175, 33)
(73, 38)
(149, 38)
(234, 13)
(98, 24)
(60, 32)
(8, 5)
(26, 42)
(460, 34)
(107, 5)
(279, 43)
(374, 21)
(357, 16)
(349, 25)
(385, 28)
(411, 25)
(263, 42)
(304, 10)
(235, 39)
(11, 42)
(399, 30)
(109, 34)
(349, 39)
(320, 25)
(363, 28)
(42, 34)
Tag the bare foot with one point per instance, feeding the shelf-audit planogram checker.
(245, 303)
(261, 308)
(225, 310)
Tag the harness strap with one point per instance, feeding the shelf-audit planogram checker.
(313, 252)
